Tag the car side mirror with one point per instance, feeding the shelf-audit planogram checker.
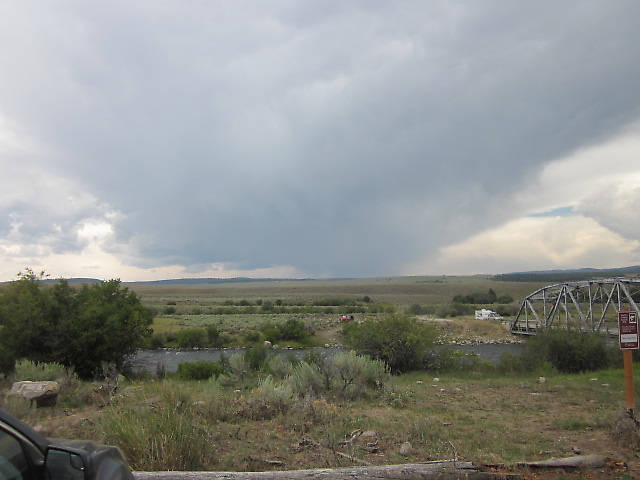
(64, 464)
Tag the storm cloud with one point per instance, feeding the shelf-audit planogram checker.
(338, 138)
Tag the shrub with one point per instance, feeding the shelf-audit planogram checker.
(279, 367)
(169, 310)
(415, 309)
(478, 298)
(569, 351)
(306, 379)
(354, 373)
(171, 302)
(252, 337)
(192, 338)
(292, 329)
(268, 400)
(213, 336)
(156, 340)
(504, 299)
(238, 365)
(255, 357)
(199, 370)
(397, 340)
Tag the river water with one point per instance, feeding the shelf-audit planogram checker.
(150, 359)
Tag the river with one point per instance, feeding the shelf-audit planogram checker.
(171, 358)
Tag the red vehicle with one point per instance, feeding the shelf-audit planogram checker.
(346, 318)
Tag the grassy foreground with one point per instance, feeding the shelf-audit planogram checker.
(184, 425)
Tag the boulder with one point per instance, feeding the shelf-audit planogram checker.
(45, 394)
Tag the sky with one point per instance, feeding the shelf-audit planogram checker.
(167, 139)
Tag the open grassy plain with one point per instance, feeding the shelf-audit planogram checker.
(240, 309)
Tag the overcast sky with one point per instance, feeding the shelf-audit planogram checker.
(158, 139)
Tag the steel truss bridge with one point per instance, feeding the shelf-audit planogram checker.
(590, 305)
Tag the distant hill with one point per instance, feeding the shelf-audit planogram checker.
(201, 281)
(569, 275)
(179, 281)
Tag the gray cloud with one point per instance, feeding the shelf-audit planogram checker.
(345, 139)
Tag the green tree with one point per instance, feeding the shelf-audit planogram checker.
(100, 323)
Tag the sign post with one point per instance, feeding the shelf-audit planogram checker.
(628, 336)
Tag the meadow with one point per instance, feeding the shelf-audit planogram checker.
(238, 310)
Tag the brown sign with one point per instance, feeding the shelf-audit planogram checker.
(628, 327)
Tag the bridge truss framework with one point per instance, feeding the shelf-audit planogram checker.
(589, 305)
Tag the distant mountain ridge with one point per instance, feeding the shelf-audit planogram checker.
(180, 281)
(568, 275)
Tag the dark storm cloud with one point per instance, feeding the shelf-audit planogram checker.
(343, 139)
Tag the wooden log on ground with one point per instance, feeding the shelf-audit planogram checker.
(580, 461)
(441, 470)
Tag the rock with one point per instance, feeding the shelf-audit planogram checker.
(436, 379)
(419, 382)
(541, 379)
(405, 449)
(369, 434)
(45, 394)
(267, 344)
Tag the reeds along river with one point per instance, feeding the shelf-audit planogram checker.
(171, 358)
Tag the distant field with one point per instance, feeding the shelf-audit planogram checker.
(399, 291)
(240, 310)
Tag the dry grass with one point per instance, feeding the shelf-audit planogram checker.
(486, 420)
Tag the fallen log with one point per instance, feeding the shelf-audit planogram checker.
(441, 470)
(580, 461)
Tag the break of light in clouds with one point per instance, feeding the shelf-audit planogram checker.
(287, 139)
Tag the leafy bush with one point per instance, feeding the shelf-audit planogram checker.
(252, 337)
(238, 365)
(155, 341)
(255, 357)
(292, 329)
(169, 310)
(397, 340)
(192, 338)
(199, 370)
(268, 400)
(477, 298)
(80, 328)
(279, 367)
(355, 373)
(306, 379)
(569, 351)
(215, 339)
